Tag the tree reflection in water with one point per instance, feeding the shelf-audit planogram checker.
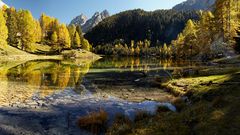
(41, 78)
(20, 83)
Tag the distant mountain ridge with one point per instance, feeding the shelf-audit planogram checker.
(88, 24)
(195, 5)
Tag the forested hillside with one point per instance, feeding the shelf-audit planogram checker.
(21, 30)
(159, 27)
(169, 33)
(213, 35)
(195, 5)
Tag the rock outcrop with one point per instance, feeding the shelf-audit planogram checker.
(90, 23)
(79, 20)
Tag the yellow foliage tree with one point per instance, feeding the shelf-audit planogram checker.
(3, 30)
(63, 37)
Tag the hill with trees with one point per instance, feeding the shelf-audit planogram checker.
(213, 35)
(19, 29)
(195, 5)
(170, 33)
(159, 27)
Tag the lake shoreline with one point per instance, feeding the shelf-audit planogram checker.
(61, 114)
(122, 86)
(44, 57)
(14, 54)
(28, 102)
(205, 104)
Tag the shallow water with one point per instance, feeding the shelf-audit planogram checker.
(53, 89)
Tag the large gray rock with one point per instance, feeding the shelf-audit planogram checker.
(90, 23)
(195, 5)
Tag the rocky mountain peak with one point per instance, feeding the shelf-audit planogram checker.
(96, 14)
(79, 20)
(92, 22)
(105, 13)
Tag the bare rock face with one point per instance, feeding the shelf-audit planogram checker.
(79, 20)
(2, 4)
(195, 5)
(90, 23)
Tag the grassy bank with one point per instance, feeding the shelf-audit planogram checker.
(11, 53)
(230, 60)
(207, 105)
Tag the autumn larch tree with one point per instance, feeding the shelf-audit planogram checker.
(26, 26)
(80, 33)
(54, 37)
(63, 37)
(12, 24)
(190, 39)
(85, 45)
(72, 31)
(76, 41)
(3, 30)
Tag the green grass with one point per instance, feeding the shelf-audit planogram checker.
(231, 60)
(14, 54)
(11, 53)
(196, 84)
(40, 48)
(213, 108)
(80, 54)
(95, 122)
(9, 50)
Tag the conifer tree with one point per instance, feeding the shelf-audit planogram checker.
(46, 23)
(206, 31)
(54, 37)
(178, 44)
(226, 18)
(72, 31)
(11, 23)
(38, 31)
(76, 41)
(3, 30)
(26, 26)
(63, 37)
(137, 50)
(189, 33)
(165, 50)
(147, 43)
(85, 45)
(132, 47)
(80, 33)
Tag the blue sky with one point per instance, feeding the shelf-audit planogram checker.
(66, 10)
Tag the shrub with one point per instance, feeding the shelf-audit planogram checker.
(161, 109)
(69, 54)
(141, 115)
(122, 125)
(179, 104)
(95, 122)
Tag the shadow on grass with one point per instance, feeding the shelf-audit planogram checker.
(95, 122)
(212, 111)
